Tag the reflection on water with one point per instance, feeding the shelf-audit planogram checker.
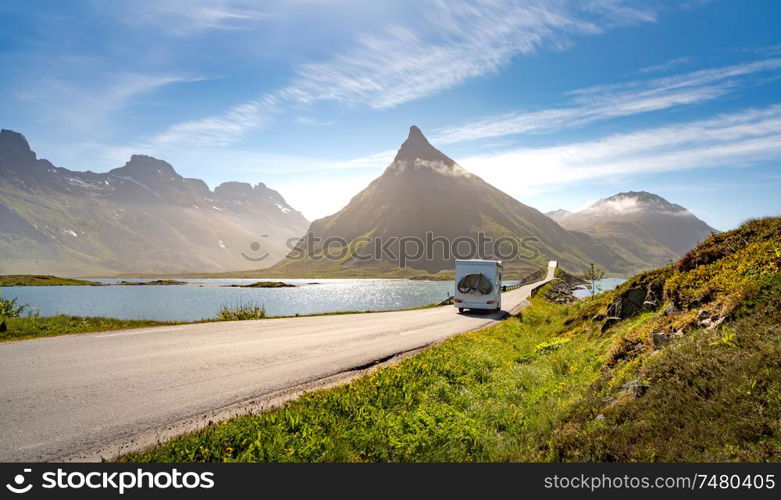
(203, 297)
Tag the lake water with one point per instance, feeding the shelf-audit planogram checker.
(204, 297)
(606, 284)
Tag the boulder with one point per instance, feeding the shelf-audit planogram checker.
(712, 322)
(644, 294)
(636, 389)
(702, 314)
(628, 303)
(661, 339)
(610, 322)
(598, 317)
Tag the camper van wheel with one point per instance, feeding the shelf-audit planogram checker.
(460, 310)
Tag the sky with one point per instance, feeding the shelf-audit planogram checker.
(558, 103)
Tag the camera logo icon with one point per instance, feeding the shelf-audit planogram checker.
(18, 486)
(256, 255)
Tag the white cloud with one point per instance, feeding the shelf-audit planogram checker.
(667, 65)
(453, 41)
(610, 101)
(462, 40)
(738, 139)
(218, 130)
(89, 107)
(184, 17)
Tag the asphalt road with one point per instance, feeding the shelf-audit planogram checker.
(62, 396)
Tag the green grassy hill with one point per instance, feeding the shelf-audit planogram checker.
(678, 364)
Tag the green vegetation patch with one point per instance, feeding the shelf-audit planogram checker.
(239, 312)
(726, 263)
(47, 326)
(713, 396)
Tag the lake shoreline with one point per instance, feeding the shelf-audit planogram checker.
(192, 300)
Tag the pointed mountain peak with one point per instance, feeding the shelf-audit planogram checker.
(416, 134)
(14, 145)
(417, 147)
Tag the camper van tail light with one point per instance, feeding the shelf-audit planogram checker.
(491, 302)
(457, 301)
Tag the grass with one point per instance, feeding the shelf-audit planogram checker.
(240, 311)
(34, 326)
(41, 280)
(715, 396)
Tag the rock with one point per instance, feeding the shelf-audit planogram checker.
(712, 324)
(609, 322)
(669, 309)
(628, 304)
(703, 314)
(649, 305)
(661, 339)
(637, 389)
(600, 418)
(598, 317)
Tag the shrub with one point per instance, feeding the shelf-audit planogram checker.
(240, 311)
(9, 308)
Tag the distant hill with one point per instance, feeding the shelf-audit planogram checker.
(142, 217)
(642, 227)
(424, 191)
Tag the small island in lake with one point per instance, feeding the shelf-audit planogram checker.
(265, 284)
(153, 283)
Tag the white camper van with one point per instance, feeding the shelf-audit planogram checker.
(478, 285)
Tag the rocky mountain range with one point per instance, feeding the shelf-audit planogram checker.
(424, 191)
(642, 227)
(142, 217)
(145, 218)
